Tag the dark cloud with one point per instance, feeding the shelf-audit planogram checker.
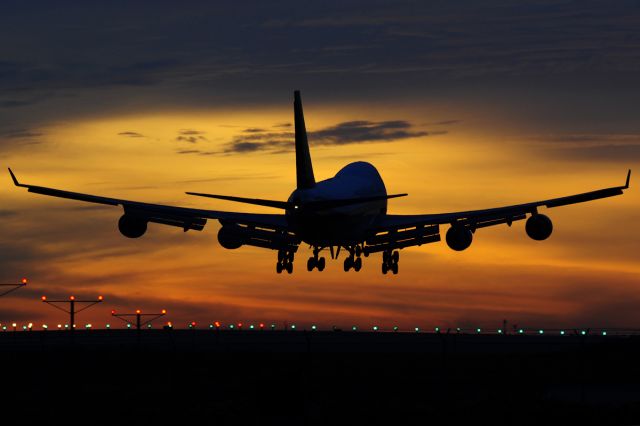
(253, 130)
(22, 134)
(594, 147)
(348, 132)
(191, 136)
(286, 125)
(131, 134)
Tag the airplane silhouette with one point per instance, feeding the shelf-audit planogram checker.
(347, 211)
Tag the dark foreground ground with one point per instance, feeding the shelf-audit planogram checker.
(297, 377)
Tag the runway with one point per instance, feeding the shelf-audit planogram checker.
(320, 377)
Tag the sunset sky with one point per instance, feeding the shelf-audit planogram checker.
(463, 105)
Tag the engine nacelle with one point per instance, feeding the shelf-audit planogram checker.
(459, 238)
(132, 226)
(230, 238)
(539, 227)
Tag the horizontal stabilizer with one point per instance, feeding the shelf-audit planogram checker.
(256, 201)
(309, 205)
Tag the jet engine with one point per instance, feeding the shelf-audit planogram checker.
(132, 226)
(459, 238)
(230, 237)
(539, 227)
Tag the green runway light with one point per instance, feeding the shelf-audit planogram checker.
(314, 327)
(293, 326)
(375, 328)
(87, 326)
(521, 331)
(4, 328)
(273, 326)
(604, 333)
(211, 326)
(417, 329)
(108, 325)
(149, 325)
(395, 328)
(437, 329)
(583, 332)
(251, 327)
(499, 331)
(128, 326)
(540, 331)
(354, 328)
(458, 329)
(478, 330)
(231, 326)
(562, 332)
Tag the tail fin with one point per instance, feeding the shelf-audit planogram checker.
(304, 168)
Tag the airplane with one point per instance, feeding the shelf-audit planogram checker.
(347, 211)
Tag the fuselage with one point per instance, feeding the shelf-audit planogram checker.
(346, 225)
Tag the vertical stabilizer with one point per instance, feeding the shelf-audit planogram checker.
(304, 169)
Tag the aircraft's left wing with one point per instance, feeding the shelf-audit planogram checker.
(182, 217)
(398, 231)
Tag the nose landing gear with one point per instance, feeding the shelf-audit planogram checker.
(390, 261)
(285, 261)
(353, 260)
(315, 262)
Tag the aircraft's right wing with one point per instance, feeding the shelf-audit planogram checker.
(263, 230)
(399, 231)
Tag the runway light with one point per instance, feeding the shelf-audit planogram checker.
(478, 330)
(417, 329)
(30, 326)
(44, 298)
(458, 329)
(88, 326)
(314, 328)
(261, 326)
(45, 326)
(499, 331)
(541, 331)
(4, 328)
(273, 326)
(231, 326)
(59, 326)
(211, 326)
(604, 333)
(149, 325)
(217, 324)
(251, 327)
(354, 328)
(395, 328)
(437, 329)
(138, 311)
(583, 332)
(100, 298)
(113, 312)
(24, 327)
(108, 326)
(293, 326)
(72, 298)
(193, 324)
(562, 332)
(24, 281)
(521, 331)
(128, 325)
(163, 312)
(375, 328)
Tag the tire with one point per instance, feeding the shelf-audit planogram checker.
(357, 265)
(395, 257)
(289, 267)
(385, 268)
(394, 268)
(311, 263)
(348, 264)
(279, 267)
(321, 264)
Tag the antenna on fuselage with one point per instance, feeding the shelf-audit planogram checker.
(304, 168)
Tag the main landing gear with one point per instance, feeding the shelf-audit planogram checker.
(285, 261)
(315, 262)
(353, 261)
(390, 261)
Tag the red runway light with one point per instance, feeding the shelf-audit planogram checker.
(217, 324)
(24, 281)
(137, 311)
(44, 298)
(163, 312)
(113, 312)
(72, 298)
(100, 298)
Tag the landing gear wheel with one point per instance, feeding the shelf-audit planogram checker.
(395, 257)
(357, 265)
(279, 267)
(348, 264)
(289, 267)
(394, 268)
(311, 263)
(321, 263)
(385, 268)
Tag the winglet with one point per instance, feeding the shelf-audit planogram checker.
(628, 178)
(15, 180)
